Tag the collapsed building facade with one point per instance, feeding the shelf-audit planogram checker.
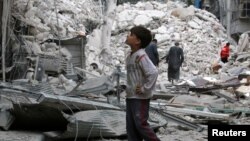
(63, 60)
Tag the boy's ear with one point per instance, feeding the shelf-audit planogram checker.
(138, 42)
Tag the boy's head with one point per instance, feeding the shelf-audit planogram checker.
(139, 36)
(228, 44)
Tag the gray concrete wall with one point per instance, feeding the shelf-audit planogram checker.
(1, 12)
(238, 25)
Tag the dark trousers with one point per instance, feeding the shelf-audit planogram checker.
(224, 60)
(137, 112)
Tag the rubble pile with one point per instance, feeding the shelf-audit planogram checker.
(59, 18)
(71, 106)
(199, 32)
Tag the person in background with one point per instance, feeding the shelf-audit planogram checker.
(224, 54)
(198, 3)
(152, 52)
(141, 78)
(174, 59)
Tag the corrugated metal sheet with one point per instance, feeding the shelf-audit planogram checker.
(43, 87)
(104, 123)
(97, 123)
(24, 89)
(156, 120)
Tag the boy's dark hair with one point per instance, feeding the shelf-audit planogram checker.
(143, 34)
(228, 44)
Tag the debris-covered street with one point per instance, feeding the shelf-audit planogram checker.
(63, 71)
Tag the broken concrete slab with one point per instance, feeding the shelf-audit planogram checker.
(225, 95)
(243, 90)
(6, 119)
(180, 121)
(235, 71)
(243, 57)
(199, 82)
(100, 85)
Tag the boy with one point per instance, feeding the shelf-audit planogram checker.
(224, 54)
(141, 79)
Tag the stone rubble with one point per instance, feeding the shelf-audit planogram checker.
(199, 32)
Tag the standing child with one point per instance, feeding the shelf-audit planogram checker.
(224, 54)
(141, 78)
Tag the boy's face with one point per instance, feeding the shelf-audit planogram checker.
(132, 40)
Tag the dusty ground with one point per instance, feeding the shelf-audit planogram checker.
(174, 132)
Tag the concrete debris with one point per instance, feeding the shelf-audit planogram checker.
(182, 121)
(243, 90)
(209, 34)
(6, 119)
(21, 136)
(100, 85)
(225, 95)
(67, 65)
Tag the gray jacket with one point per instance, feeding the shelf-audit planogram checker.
(140, 71)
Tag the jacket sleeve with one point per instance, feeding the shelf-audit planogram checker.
(150, 73)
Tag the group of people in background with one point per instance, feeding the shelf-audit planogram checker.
(174, 58)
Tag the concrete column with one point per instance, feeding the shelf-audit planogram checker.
(229, 15)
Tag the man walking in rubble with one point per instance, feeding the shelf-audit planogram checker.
(141, 78)
(174, 59)
(152, 52)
